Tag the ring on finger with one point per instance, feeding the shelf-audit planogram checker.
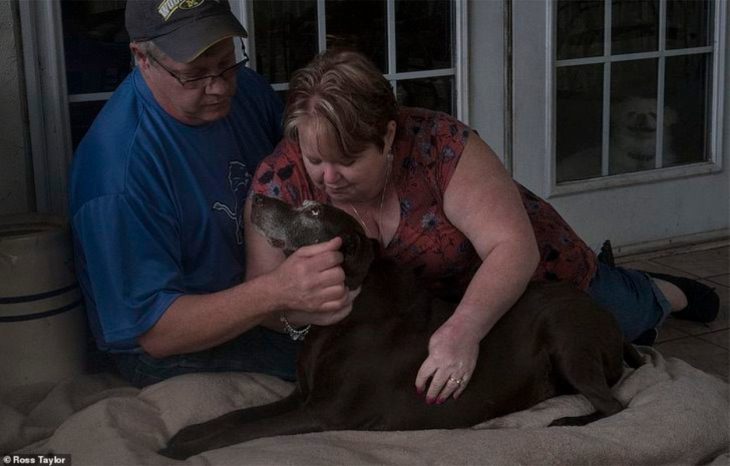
(456, 381)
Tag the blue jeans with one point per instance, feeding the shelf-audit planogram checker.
(631, 296)
(258, 350)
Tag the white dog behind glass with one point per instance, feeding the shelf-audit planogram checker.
(633, 135)
(632, 142)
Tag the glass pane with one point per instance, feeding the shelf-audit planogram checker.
(431, 93)
(96, 45)
(423, 34)
(82, 114)
(285, 37)
(580, 28)
(687, 109)
(358, 24)
(634, 26)
(579, 118)
(688, 23)
(632, 144)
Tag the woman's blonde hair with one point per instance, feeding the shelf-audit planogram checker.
(346, 90)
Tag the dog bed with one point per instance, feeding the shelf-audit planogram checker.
(675, 414)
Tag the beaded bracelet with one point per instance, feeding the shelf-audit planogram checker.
(294, 333)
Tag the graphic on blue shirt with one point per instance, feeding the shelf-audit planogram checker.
(239, 180)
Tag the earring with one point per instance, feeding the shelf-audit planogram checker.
(389, 156)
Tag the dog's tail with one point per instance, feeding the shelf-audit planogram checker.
(632, 357)
(283, 417)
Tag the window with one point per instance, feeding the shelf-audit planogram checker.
(633, 85)
(97, 57)
(411, 41)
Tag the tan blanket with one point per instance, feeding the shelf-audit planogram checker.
(675, 414)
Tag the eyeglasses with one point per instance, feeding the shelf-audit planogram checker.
(200, 82)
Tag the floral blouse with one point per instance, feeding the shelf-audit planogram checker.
(426, 151)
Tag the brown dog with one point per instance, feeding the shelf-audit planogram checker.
(360, 373)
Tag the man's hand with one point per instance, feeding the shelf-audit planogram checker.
(324, 317)
(311, 279)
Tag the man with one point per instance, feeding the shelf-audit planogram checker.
(157, 191)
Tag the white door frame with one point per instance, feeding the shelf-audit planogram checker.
(489, 72)
(45, 76)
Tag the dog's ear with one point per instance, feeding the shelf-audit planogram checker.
(358, 253)
(350, 244)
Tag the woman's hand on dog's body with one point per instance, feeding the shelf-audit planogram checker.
(503, 237)
(453, 351)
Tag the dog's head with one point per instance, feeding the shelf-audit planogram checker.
(639, 115)
(290, 228)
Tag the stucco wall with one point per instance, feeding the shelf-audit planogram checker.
(16, 185)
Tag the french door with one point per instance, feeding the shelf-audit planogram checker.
(618, 116)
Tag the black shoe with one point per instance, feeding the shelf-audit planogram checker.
(606, 254)
(647, 338)
(703, 304)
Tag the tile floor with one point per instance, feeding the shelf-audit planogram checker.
(704, 346)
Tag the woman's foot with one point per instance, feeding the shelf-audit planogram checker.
(703, 304)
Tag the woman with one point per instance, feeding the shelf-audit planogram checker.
(440, 202)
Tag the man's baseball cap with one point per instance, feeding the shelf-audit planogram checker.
(182, 29)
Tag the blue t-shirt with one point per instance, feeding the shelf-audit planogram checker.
(157, 205)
